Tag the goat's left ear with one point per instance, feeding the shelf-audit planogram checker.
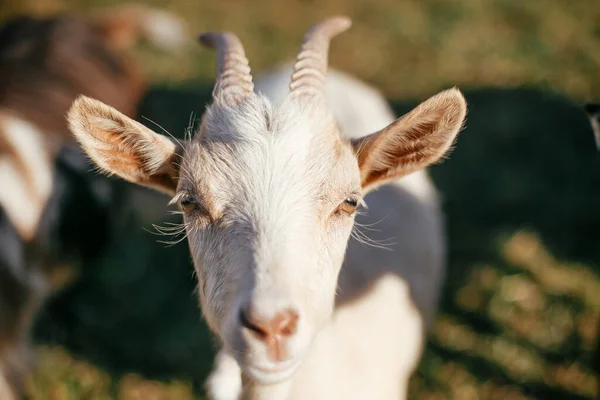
(121, 146)
(413, 141)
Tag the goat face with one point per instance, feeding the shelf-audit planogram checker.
(268, 194)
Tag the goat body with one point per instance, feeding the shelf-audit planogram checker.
(45, 63)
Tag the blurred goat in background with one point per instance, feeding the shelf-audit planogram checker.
(593, 112)
(47, 203)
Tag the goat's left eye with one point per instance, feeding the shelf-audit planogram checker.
(348, 206)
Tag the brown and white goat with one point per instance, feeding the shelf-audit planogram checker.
(45, 63)
(269, 190)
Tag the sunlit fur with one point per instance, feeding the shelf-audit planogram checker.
(25, 173)
(277, 238)
(268, 175)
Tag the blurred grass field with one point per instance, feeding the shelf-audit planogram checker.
(519, 315)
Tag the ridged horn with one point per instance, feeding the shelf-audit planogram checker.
(310, 68)
(234, 81)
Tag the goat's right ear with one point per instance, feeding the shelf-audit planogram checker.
(121, 146)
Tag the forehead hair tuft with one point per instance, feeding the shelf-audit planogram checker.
(256, 116)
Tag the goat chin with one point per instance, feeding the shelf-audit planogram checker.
(225, 380)
(271, 375)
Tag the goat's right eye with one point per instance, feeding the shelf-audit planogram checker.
(188, 203)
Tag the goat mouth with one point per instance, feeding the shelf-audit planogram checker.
(272, 374)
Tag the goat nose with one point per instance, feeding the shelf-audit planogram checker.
(281, 326)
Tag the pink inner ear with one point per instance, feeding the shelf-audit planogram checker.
(395, 152)
(124, 147)
(413, 142)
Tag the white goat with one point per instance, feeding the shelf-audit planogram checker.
(269, 190)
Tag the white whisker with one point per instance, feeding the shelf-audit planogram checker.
(362, 238)
(164, 130)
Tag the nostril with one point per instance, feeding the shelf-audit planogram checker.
(245, 321)
(288, 323)
(283, 324)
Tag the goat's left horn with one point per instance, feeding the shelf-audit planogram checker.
(311, 64)
(234, 82)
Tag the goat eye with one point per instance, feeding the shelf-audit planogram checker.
(188, 203)
(348, 206)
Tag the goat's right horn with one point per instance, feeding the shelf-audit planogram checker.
(311, 64)
(234, 82)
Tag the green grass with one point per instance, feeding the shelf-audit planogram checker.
(519, 315)
(409, 48)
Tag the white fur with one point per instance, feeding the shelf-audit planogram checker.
(24, 191)
(358, 108)
(225, 381)
(281, 159)
(371, 346)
